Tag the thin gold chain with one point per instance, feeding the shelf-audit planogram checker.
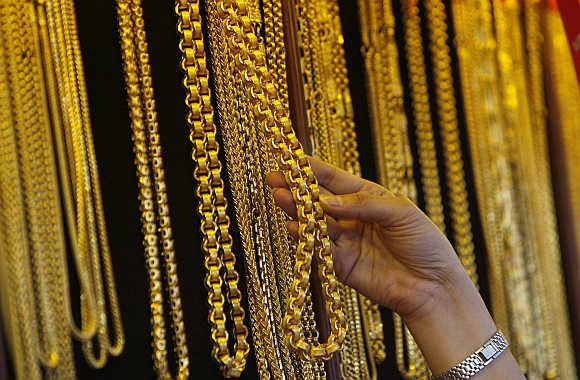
(155, 219)
(517, 310)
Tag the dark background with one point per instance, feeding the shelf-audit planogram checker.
(103, 68)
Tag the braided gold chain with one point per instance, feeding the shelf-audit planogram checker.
(155, 219)
(422, 114)
(313, 232)
(449, 130)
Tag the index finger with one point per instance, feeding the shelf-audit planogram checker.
(340, 181)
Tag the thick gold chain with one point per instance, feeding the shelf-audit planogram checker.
(276, 58)
(155, 219)
(313, 233)
(216, 239)
(242, 169)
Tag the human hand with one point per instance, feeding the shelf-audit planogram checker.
(383, 245)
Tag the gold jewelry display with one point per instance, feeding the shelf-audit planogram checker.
(46, 136)
(154, 207)
(313, 236)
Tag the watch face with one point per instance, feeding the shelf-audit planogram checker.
(488, 352)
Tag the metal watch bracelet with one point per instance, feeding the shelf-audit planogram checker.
(477, 361)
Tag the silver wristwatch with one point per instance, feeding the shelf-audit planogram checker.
(478, 360)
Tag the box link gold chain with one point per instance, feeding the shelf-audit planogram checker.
(210, 192)
(276, 57)
(155, 219)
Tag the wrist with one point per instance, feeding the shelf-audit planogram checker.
(452, 323)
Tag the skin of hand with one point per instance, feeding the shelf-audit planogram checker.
(389, 250)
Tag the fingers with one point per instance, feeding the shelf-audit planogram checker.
(331, 179)
(339, 181)
(386, 210)
(275, 180)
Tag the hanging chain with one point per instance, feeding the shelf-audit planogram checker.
(210, 192)
(155, 217)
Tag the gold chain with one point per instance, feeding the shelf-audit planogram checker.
(68, 98)
(242, 167)
(155, 219)
(276, 57)
(422, 114)
(51, 128)
(44, 232)
(332, 131)
(510, 263)
(447, 115)
(210, 192)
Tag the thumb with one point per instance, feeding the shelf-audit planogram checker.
(387, 210)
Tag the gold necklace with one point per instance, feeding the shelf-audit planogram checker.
(554, 317)
(152, 190)
(51, 342)
(68, 98)
(45, 64)
(565, 99)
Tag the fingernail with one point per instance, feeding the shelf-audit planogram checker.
(330, 200)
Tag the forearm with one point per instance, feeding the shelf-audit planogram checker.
(455, 324)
